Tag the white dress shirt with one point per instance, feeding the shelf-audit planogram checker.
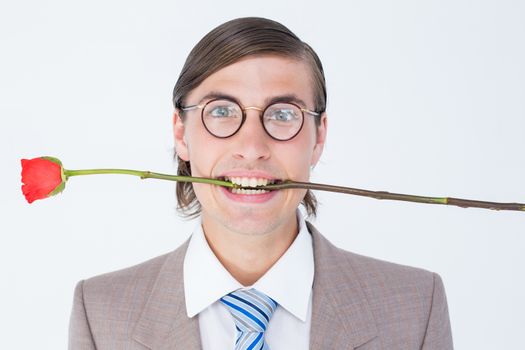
(289, 282)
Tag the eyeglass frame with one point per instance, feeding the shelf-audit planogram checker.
(202, 106)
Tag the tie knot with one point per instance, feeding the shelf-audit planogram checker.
(250, 309)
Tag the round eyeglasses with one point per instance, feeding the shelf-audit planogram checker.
(223, 118)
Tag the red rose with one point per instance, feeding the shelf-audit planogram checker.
(42, 177)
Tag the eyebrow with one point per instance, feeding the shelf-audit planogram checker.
(268, 101)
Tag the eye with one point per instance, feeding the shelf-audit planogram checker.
(282, 114)
(222, 112)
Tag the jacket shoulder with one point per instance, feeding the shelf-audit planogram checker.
(408, 301)
(112, 303)
(372, 271)
(402, 299)
(388, 283)
(115, 300)
(140, 277)
(123, 293)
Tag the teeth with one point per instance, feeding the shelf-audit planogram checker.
(249, 181)
(262, 182)
(243, 191)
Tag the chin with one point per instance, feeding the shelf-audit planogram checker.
(251, 226)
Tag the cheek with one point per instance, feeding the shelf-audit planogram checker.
(296, 158)
(202, 151)
(202, 159)
(301, 168)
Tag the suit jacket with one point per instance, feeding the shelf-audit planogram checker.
(358, 303)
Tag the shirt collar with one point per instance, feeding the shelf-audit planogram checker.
(289, 281)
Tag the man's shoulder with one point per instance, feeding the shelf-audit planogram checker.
(406, 305)
(378, 278)
(116, 300)
(138, 279)
(145, 270)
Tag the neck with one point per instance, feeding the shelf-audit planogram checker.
(248, 256)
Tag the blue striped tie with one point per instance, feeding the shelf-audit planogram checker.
(251, 311)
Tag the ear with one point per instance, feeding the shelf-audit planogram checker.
(320, 140)
(181, 146)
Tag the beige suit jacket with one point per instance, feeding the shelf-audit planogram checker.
(358, 303)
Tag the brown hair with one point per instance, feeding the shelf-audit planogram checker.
(225, 45)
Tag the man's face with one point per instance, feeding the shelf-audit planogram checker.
(251, 153)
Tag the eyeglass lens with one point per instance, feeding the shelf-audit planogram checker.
(223, 118)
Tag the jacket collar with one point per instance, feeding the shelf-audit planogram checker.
(341, 315)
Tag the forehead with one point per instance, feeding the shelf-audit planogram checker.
(256, 79)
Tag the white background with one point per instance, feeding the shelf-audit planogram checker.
(425, 97)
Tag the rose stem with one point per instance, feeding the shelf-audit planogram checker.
(149, 174)
(464, 203)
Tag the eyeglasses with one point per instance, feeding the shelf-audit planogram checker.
(223, 118)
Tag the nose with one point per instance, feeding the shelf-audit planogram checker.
(251, 141)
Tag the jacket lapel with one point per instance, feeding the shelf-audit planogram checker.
(341, 316)
(164, 323)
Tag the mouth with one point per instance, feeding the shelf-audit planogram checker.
(248, 185)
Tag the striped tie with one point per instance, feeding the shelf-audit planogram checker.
(251, 311)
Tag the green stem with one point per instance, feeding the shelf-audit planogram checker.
(288, 184)
(147, 175)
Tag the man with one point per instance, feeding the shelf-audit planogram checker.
(250, 108)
